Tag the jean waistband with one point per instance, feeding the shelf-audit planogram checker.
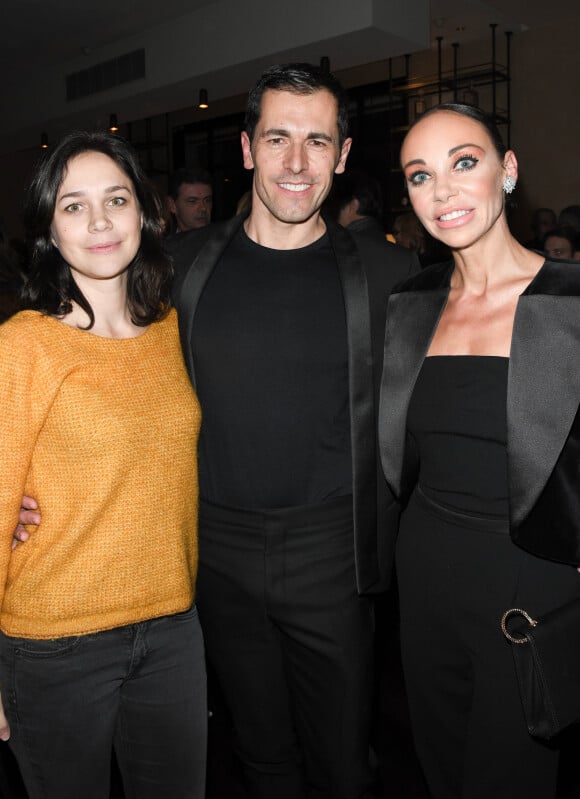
(483, 523)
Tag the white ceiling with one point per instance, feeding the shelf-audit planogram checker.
(44, 33)
(50, 32)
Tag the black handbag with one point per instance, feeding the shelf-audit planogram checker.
(547, 658)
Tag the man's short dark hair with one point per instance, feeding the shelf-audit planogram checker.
(564, 232)
(186, 175)
(298, 78)
(355, 184)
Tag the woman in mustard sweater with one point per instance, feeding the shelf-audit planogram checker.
(100, 645)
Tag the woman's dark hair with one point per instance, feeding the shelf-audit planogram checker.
(50, 286)
(475, 113)
(298, 78)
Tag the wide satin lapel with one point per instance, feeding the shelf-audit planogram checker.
(412, 317)
(543, 392)
(195, 280)
(360, 371)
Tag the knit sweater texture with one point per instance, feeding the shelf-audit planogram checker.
(103, 434)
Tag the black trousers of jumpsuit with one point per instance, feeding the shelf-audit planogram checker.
(458, 573)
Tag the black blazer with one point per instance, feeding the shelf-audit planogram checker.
(543, 435)
(366, 287)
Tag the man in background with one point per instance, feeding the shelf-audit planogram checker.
(357, 202)
(562, 243)
(190, 198)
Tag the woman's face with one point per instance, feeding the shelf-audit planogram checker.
(97, 220)
(454, 176)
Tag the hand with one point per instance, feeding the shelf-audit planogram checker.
(4, 728)
(28, 515)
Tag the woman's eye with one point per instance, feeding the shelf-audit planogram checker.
(467, 162)
(417, 178)
(117, 201)
(72, 208)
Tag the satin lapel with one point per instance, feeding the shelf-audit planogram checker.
(194, 283)
(543, 392)
(360, 374)
(412, 317)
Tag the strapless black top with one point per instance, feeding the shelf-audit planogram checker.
(457, 418)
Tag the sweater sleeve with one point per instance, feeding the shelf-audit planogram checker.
(29, 381)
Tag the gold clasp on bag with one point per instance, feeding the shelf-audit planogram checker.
(520, 612)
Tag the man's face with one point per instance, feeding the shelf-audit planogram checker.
(294, 154)
(192, 208)
(558, 247)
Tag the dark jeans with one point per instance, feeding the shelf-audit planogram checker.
(140, 689)
(291, 643)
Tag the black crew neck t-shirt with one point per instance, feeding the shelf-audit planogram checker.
(271, 365)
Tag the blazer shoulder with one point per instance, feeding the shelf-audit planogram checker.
(186, 247)
(560, 278)
(339, 237)
(384, 263)
(432, 277)
(183, 247)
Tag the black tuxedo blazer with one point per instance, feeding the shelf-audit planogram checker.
(366, 288)
(543, 424)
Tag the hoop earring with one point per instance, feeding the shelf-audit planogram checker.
(509, 184)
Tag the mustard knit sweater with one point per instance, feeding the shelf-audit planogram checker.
(103, 433)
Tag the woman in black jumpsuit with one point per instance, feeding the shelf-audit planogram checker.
(465, 400)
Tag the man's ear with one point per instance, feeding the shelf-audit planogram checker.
(344, 151)
(247, 151)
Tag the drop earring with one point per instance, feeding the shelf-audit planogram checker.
(509, 184)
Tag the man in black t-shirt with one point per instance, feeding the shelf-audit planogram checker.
(282, 330)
